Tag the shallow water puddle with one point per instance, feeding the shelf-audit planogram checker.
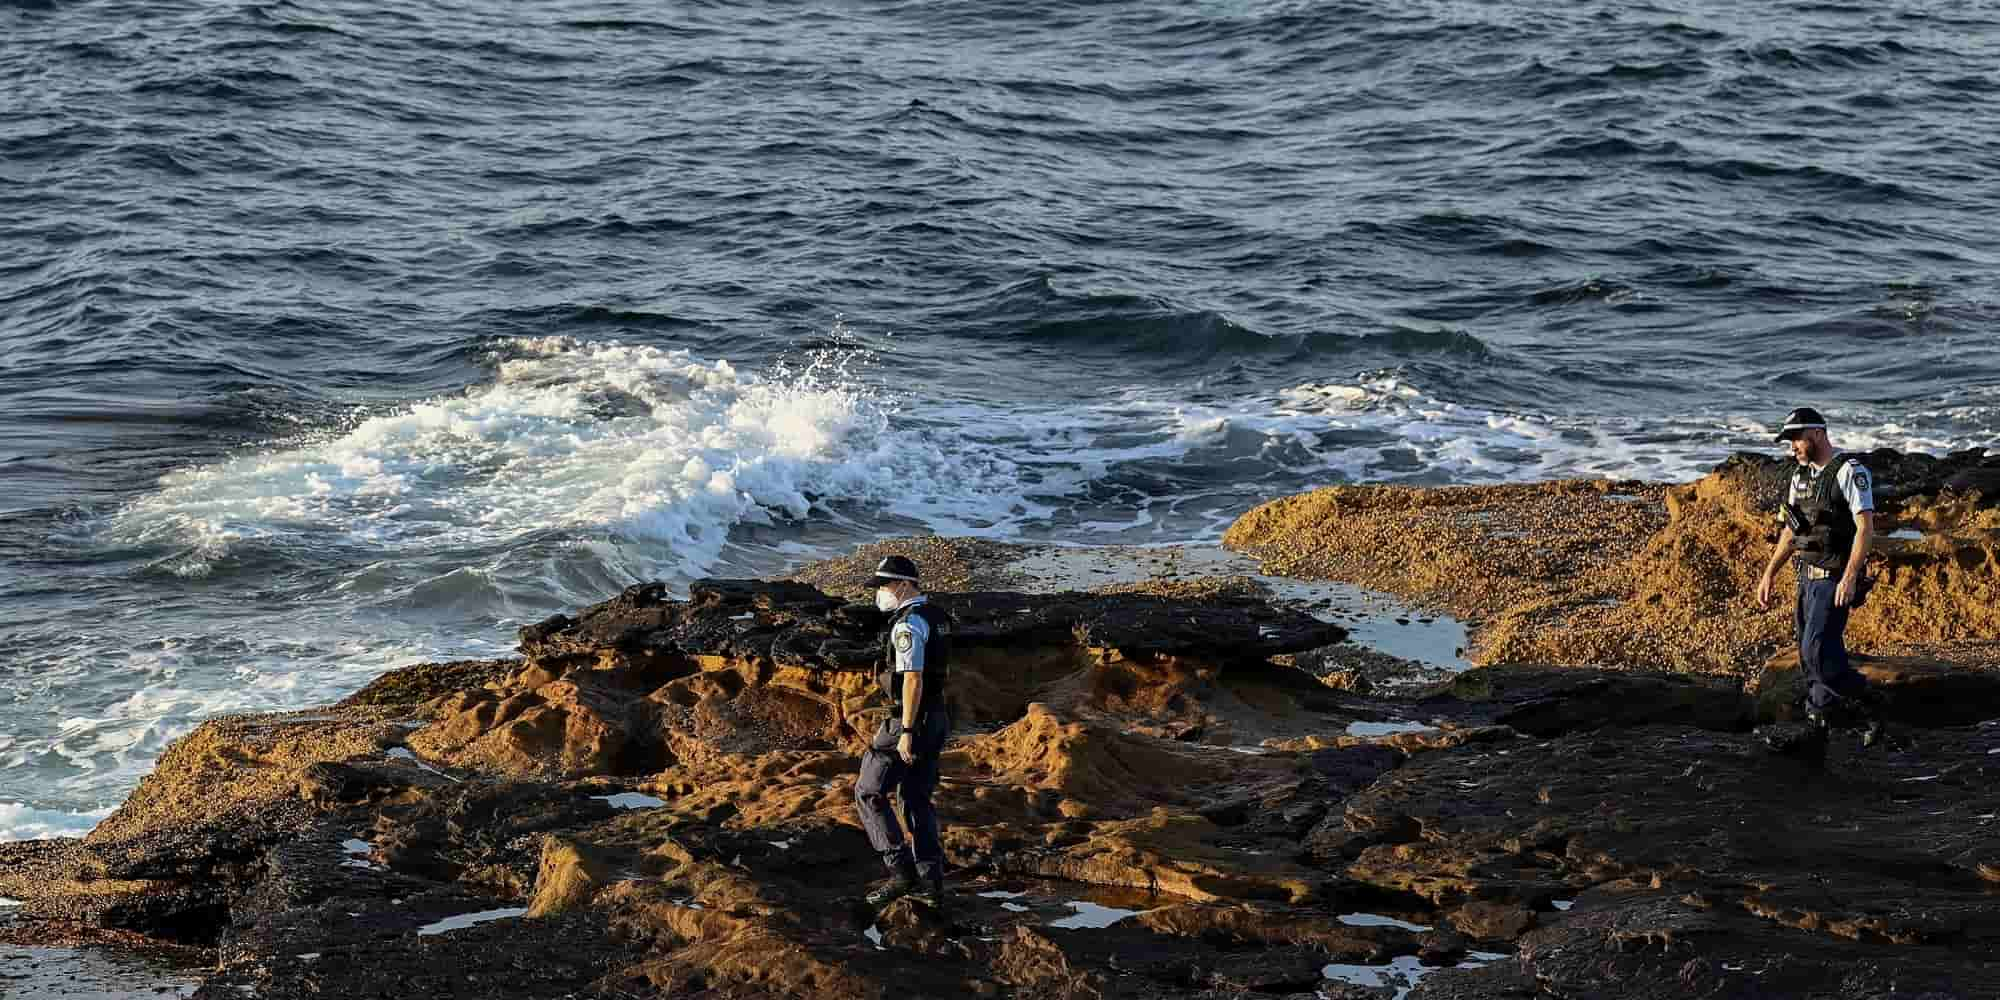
(1052, 903)
(91, 974)
(1402, 973)
(1002, 894)
(1378, 920)
(1387, 728)
(358, 851)
(404, 753)
(1371, 617)
(874, 934)
(1093, 915)
(1564, 904)
(631, 800)
(465, 920)
(1405, 971)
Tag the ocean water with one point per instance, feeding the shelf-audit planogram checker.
(341, 335)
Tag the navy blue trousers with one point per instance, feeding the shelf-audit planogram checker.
(1823, 646)
(883, 771)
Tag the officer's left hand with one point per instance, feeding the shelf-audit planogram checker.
(906, 747)
(1843, 593)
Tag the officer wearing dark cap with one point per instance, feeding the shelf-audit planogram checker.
(1829, 517)
(903, 756)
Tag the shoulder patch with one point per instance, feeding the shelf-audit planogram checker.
(1860, 477)
(904, 640)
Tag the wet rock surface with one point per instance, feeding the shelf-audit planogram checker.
(1146, 795)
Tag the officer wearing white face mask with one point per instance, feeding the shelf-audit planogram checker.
(903, 756)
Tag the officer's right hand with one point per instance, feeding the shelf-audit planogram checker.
(1764, 592)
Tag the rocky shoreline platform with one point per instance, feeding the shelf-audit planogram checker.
(1467, 742)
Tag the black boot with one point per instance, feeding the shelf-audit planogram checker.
(901, 884)
(1812, 746)
(931, 875)
(1874, 732)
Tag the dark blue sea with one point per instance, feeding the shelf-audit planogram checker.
(342, 335)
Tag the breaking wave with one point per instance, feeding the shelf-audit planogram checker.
(658, 449)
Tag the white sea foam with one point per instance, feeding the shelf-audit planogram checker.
(21, 822)
(638, 444)
(1378, 428)
(1385, 427)
(108, 736)
(643, 461)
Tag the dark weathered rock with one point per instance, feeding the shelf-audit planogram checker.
(789, 623)
(1709, 850)
(1549, 701)
(1119, 740)
(1349, 769)
(1645, 943)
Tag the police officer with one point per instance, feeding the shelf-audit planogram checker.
(1829, 517)
(903, 756)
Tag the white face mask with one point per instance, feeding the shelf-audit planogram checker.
(886, 600)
